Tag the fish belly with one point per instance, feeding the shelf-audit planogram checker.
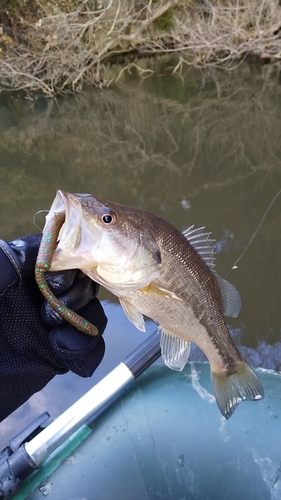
(179, 319)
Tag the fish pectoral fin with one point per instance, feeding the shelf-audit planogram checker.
(174, 350)
(133, 314)
(231, 389)
(160, 291)
(230, 297)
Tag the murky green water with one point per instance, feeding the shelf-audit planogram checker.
(204, 149)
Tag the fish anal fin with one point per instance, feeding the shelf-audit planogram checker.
(174, 350)
(231, 390)
(133, 314)
(230, 297)
(153, 289)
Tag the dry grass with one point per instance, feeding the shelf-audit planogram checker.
(63, 46)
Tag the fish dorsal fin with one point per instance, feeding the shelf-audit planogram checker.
(230, 297)
(206, 248)
(202, 243)
(175, 351)
(133, 314)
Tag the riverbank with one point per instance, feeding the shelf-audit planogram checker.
(60, 47)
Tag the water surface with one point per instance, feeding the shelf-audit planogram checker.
(203, 149)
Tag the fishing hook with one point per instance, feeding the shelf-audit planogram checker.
(34, 218)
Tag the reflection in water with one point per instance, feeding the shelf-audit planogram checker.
(203, 150)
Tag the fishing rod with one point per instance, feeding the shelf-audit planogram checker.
(30, 447)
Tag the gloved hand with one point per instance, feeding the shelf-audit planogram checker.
(35, 343)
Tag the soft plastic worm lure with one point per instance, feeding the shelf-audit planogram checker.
(42, 266)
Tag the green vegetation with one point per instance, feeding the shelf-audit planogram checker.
(57, 47)
(165, 22)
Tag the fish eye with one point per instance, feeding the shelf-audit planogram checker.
(109, 217)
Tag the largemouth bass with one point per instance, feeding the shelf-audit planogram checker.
(157, 271)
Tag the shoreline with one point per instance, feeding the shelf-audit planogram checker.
(58, 49)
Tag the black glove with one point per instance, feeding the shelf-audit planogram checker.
(35, 343)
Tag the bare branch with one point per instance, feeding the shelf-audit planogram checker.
(63, 49)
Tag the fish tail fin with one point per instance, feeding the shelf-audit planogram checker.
(231, 389)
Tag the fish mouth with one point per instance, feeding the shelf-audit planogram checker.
(77, 237)
(70, 232)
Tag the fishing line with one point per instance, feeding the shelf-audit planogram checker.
(34, 218)
(256, 231)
